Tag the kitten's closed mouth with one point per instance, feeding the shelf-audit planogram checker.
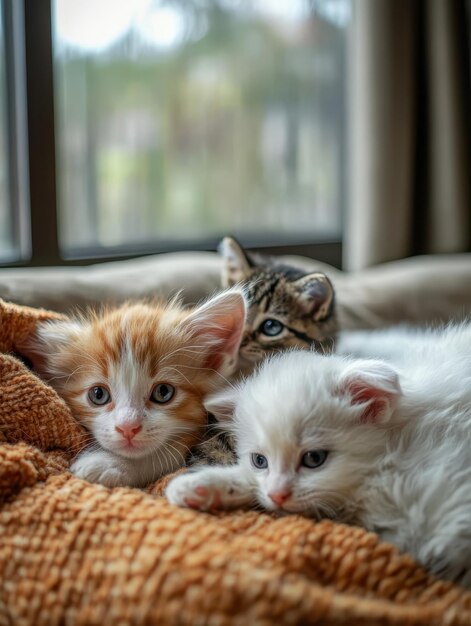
(139, 448)
(129, 445)
(279, 509)
(130, 448)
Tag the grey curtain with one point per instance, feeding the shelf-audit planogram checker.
(410, 130)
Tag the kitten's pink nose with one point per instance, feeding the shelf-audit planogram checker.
(280, 497)
(128, 431)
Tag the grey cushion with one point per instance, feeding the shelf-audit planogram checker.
(417, 290)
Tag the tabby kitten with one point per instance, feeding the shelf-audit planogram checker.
(136, 378)
(287, 308)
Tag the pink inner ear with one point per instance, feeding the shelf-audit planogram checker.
(228, 344)
(360, 393)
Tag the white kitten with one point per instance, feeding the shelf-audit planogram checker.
(358, 441)
(391, 344)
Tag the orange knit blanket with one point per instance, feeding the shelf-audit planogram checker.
(75, 553)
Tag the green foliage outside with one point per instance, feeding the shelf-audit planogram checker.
(239, 130)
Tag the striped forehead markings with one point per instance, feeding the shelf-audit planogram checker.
(264, 290)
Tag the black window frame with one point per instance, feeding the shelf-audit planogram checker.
(30, 107)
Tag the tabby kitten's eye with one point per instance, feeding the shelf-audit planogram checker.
(259, 461)
(271, 328)
(314, 458)
(99, 395)
(162, 393)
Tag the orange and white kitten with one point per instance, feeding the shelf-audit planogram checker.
(136, 378)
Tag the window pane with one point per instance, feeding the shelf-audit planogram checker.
(8, 243)
(184, 120)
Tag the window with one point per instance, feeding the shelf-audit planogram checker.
(183, 120)
(140, 126)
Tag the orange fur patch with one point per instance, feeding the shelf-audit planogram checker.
(160, 345)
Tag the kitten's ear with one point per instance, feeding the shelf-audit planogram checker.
(236, 263)
(222, 404)
(217, 327)
(316, 295)
(374, 386)
(56, 335)
(48, 340)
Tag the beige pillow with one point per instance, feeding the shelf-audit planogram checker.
(420, 289)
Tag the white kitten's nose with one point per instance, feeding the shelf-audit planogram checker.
(280, 497)
(128, 431)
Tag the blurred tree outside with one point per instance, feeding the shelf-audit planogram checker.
(237, 126)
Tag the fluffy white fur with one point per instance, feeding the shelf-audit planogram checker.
(391, 344)
(398, 441)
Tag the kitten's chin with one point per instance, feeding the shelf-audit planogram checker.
(133, 451)
(272, 507)
(291, 508)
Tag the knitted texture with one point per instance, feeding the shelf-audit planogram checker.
(74, 553)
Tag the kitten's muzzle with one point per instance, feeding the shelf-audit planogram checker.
(128, 431)
(280, 497)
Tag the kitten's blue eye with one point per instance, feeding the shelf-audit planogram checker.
(162, 393)
(314, 458)
(259, 461)
(271, 328)
(99, 395)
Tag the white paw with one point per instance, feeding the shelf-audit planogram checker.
(98, 467)
(196, 490)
